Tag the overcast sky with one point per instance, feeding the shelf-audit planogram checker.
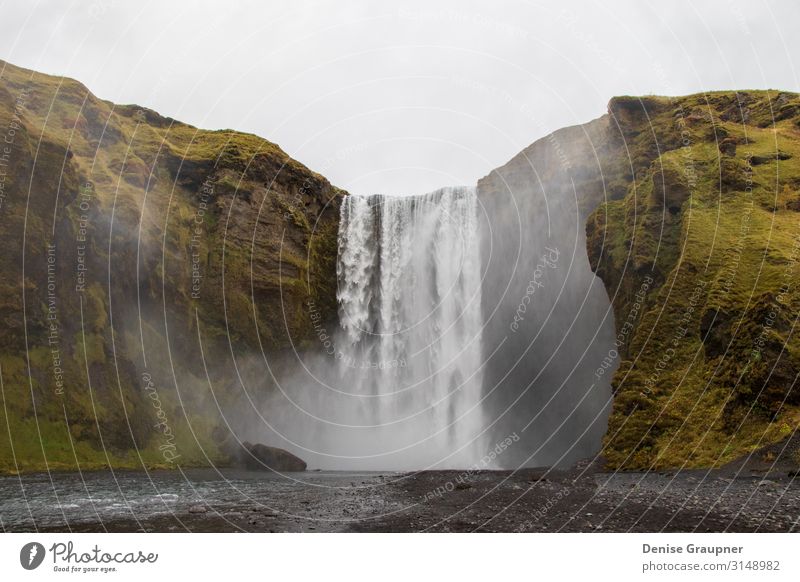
(401, 97)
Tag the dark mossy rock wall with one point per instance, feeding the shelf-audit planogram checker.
(142, 257)
(700, 257)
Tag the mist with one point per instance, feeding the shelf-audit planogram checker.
(396, 383)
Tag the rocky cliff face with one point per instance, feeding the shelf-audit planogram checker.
(700, 257)
(690, 207)
(141, 258)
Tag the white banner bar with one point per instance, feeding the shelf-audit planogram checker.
(388, 557)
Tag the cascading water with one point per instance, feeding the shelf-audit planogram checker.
(406, 392)
(410, 307)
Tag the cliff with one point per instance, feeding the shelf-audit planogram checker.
(640, 281)
(690, 210)
(699, 255)
(141, 258)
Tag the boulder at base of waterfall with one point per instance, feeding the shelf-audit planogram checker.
(260, 457)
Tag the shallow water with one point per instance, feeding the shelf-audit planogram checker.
(61, 500)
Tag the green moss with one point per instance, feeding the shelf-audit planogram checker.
(694, 389)
(165, 198)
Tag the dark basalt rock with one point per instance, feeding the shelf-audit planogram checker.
(258, 457)
(728, 147)
(735, 175)
(758, 160)
(715, 332)
(669, 189)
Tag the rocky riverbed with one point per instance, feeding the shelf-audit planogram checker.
(528, 500)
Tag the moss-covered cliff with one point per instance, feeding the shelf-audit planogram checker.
(699, 254)
(140, 257)
(691, 209)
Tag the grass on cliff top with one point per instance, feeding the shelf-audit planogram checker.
(68, 109)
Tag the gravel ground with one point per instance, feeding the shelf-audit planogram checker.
(757, 493)
(540, 501)
(492, 501)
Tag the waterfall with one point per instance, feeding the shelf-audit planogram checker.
(410, 314)
(442, 354)
(397, 382)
